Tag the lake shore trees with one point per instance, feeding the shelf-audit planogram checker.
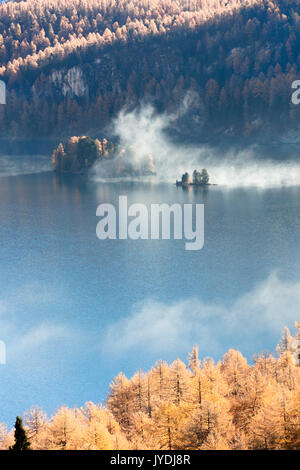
(200, 405)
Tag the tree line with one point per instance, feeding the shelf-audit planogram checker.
(196, 405)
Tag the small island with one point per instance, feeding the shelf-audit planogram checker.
(200, 178)
(79, 154)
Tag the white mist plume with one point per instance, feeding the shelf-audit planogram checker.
(144, 130)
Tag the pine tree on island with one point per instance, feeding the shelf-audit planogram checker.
(204, 176)
(196, 177)
(186, 179)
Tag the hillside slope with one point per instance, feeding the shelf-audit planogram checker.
(71, 65)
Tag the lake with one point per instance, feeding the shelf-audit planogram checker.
(75, 310)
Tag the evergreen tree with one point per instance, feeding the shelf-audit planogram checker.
(21, 441)
(204, 176)
(196, 177)
(185, 178)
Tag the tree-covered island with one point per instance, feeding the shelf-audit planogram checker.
(200, 178)
(79, 154)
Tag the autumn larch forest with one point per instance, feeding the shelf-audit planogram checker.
(201, 405)
(70, 66)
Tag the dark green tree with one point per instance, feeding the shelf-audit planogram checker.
(204, 176)
(21, 441)
(88, 152)
(196, 177)
(185, 178)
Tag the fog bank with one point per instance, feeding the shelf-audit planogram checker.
(145, 132)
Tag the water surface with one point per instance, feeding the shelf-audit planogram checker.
(75, 310)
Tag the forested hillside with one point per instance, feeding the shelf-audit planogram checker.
(198, 405)
(71, 65)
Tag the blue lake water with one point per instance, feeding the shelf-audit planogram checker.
(74, 310)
